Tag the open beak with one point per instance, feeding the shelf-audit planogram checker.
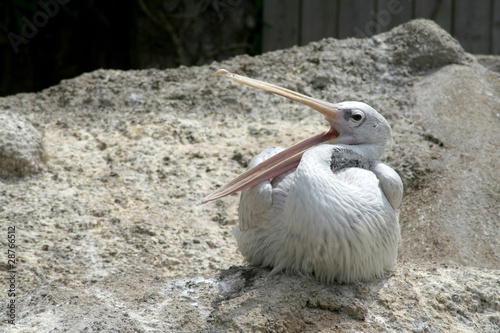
(289, 158)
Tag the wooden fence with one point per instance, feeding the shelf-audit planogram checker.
(474, 23)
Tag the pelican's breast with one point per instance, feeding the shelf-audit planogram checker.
(339, 224)
(334, 184)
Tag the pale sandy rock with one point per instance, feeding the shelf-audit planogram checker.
(21, 146)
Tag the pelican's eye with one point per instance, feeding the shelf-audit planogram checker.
(357, 117)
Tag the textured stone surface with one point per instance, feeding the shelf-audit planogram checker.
(111, 235)
(421, 46)
(21, 146)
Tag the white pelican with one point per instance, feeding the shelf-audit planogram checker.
(326, 206)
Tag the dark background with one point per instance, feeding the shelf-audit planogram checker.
(84, 35)
(45, 41)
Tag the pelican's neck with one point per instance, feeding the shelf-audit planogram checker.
(330, 157)
(366, 153)
(372, 150)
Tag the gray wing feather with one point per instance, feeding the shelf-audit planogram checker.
(256, 201)
(391, 184)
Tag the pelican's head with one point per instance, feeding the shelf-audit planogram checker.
(351, 123)
(359, 123)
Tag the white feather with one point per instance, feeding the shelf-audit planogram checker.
(337, 226)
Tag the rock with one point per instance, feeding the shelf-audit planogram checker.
(21, 146)
(112, 235)
(414, 299)
(456, 105)
(429, 48)
(491, 62)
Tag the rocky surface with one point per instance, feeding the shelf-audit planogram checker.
(110, 234)
(21, 146)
